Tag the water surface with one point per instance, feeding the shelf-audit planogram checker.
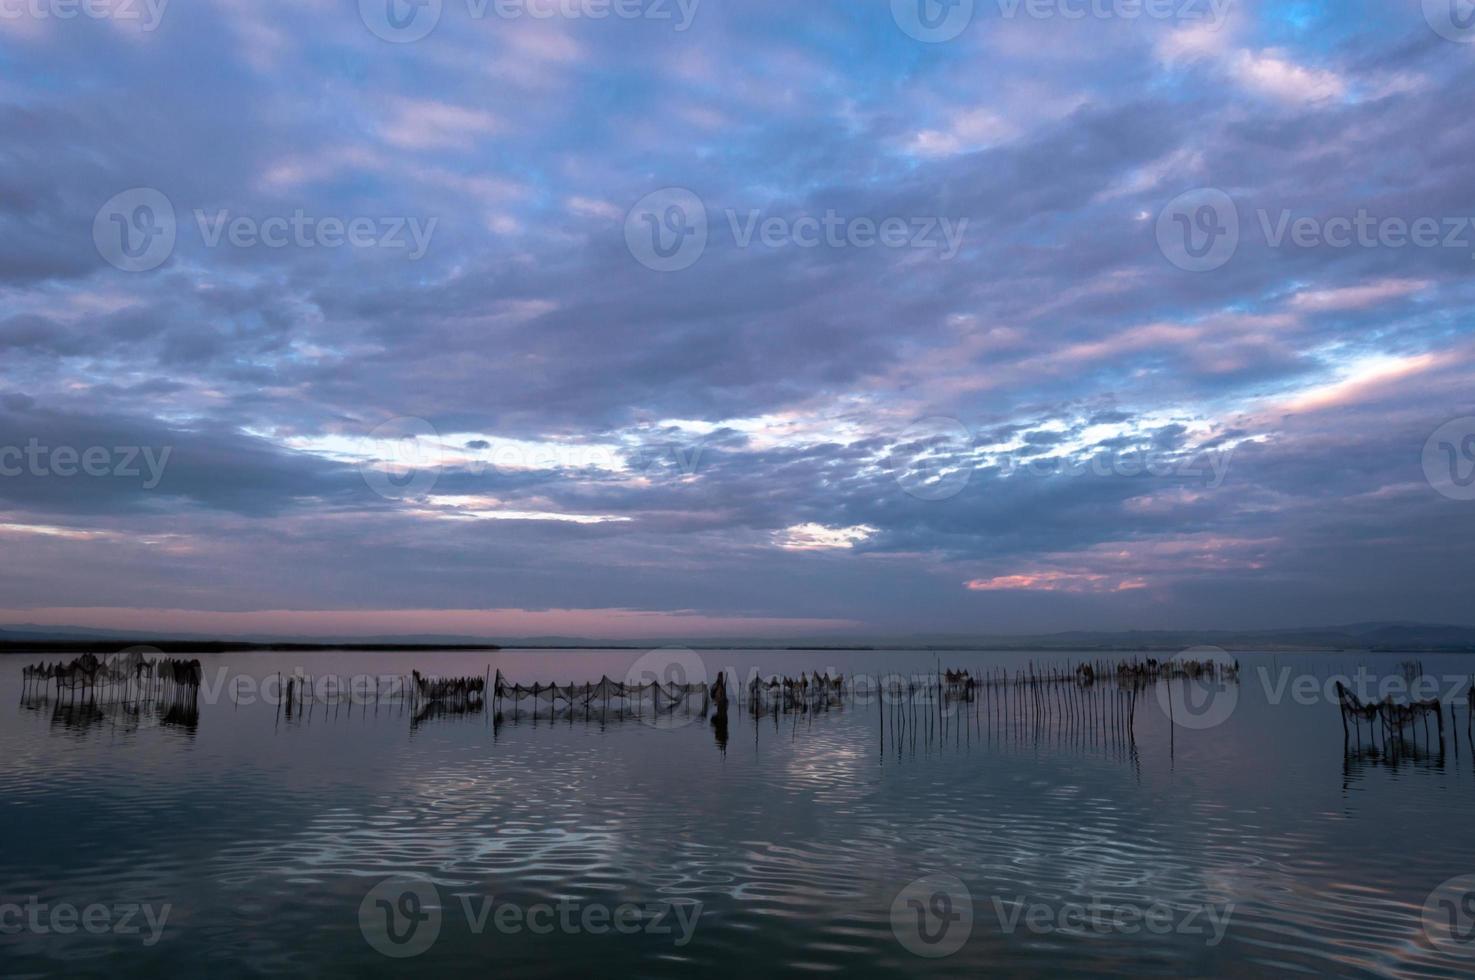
(1262, 846)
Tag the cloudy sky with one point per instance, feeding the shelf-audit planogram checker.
(647, 317)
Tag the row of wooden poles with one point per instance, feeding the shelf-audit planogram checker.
(1100, 695)
(1039, 694)
(126, 679)
(1032, 699)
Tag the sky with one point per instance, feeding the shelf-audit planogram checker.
(646, 317)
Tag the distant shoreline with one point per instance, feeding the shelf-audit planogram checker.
(227, 646)
(234, 646)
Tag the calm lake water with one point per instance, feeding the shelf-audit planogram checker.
(244, 841)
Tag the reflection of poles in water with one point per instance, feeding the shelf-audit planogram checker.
(440, 710)
(1172, 730)
(718, 697)
(1455, 734)
(1399, 724)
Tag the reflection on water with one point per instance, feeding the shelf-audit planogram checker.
(1070, 822)
(76, 715)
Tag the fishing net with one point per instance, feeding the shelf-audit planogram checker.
(606, 690)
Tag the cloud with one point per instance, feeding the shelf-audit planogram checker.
(729, 443)
(1363, 379)
(817, 537)
(1356, 297)
(1273, 74)
(968, 129)
(1053, 582)
(424, 124)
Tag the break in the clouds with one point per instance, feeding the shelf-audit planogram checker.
(651, 317)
